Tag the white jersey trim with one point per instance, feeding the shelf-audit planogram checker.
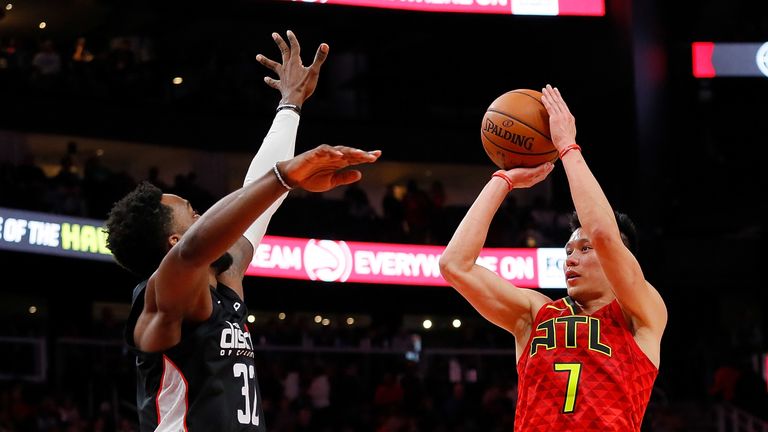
(171, 399)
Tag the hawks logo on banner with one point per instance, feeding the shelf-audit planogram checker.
(327, 260)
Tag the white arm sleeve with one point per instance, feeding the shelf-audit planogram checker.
(278, 145)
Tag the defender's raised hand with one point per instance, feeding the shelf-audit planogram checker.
(295, 81)
(319, 169)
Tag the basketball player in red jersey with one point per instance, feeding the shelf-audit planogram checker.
(586, 362)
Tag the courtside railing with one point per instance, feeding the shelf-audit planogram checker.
(732, 419)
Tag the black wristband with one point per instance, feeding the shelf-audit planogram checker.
(292, 107)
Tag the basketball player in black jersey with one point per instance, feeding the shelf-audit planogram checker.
(195, 360)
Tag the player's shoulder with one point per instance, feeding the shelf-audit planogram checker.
(557, 307)
(563, 303)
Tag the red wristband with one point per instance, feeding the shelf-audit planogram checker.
(503, 175)
(568, 148)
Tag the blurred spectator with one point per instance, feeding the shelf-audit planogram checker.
(285, 417)
(97, 187)
(81, 53)
(319, 393)
(29, 185)
(750, 393)
(121, 69)
(69, 413)
(394, 215)
(291, 386)
(505, 226)
(47, 417)
(81, 73)
(531, 236)
(359, 213)
(153, 176)
(11, 68)
(542, 215)
(47, 68)
(418, 208)
(107, 326)
(440, 231)
(389, 394)
(724, 382)
(456, 409)
(186, 186)
(22, 412)
(65, 196)
(348, 398)
(121, 58)
(413, 391)
(10, 57)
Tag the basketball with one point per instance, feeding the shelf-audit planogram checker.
(515, 130)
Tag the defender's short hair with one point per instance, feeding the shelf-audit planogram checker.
(137, 230)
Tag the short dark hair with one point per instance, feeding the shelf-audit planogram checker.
(626, 228)
(137, 230)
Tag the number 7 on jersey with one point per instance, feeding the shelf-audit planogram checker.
(574, 373)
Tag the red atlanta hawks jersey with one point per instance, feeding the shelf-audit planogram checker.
(582, 372)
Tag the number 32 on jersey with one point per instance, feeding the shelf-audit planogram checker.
(247, 415)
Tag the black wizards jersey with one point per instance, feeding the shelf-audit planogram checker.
(207, 382)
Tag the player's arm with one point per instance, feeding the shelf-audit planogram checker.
(636, 296)
(499, 301)
(178, 290)
(223, 224)
(296, 84)
(182, 280)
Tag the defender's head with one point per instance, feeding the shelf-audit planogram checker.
(144, 225)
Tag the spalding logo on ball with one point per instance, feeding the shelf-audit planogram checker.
(515, 130)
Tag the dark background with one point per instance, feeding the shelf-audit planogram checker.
(683, 156)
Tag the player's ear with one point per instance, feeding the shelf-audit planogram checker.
(173, 239)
